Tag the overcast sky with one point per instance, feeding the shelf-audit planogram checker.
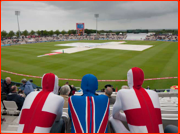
(113, 15)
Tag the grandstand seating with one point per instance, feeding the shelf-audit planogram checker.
(169, 112)
(139, 36)
(128, 36)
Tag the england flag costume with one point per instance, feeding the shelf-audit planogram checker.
(89, 113)
(141, 107)
(41, 109)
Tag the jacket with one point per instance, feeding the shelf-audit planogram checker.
(17, 98)
(6, 88)
(28, 88)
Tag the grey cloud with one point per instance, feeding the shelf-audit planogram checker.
(113, 14)
(117, 10)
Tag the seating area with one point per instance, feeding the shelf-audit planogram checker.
(162, 37)
(139, 36)
(110, 36)
(169, 112)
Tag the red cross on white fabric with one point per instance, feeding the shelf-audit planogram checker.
(147, 115)
(35, 116)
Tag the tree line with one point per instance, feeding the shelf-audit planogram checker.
(11, 33)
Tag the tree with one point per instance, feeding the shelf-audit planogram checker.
(38, 32)
(11, 34)
(17, 34)
(32, 32)
(57, 32)
(63, 32)
(4, 34)
(69, 31)
(45, 33)
(25, 33)
(50, 33)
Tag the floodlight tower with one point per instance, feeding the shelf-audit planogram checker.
(96, 16)
(18, 13)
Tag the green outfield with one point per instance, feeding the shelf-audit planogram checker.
(161, 60)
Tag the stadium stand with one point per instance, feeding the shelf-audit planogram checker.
(168, 106)
(102, 36)
(139, 36)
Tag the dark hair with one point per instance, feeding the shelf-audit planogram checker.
(13, 88)
(30, 80)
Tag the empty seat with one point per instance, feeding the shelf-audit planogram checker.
(2, 108)
(169, 119)
(11, 107)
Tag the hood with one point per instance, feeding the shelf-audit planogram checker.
(28, 83)
(50, 83)
(89, 84)
(135, 77)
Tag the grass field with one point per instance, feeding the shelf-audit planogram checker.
(161, 60)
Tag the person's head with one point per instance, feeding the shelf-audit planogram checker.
(31, 80)
(65, 90)
(13, 89)
(8, 80)
(67, 83)
(108, 85)
(72, 86)
(135, 77)
(89, 84)
(124, 87)
(108, 91)
(50, 83)
(24, 81)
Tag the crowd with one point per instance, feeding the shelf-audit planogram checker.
(42, 111)
(66, 37)
(11, 92)
(162, 37)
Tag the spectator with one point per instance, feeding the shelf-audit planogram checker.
(108, 92)
(13, 96)
(73, 89)
(148, 88)
(124, 87)
(28, 88)
(71, 92)
(42, 108)
(89, 108)
(33, 85)
(103, 90)
(64, 92)
(141, 107)
(109, 85)
(6, 85)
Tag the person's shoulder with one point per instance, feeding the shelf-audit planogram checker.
(101, 97)
(151, 92)
(122, 91)
(56, 97)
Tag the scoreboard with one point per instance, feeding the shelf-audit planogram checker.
(80, 28)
